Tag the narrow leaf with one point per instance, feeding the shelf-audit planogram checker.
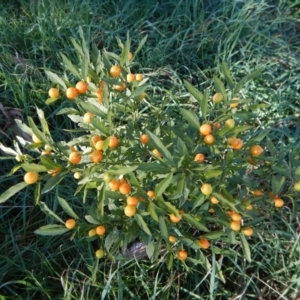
(139, 219)
(190, 117)
(67, 208)
(12, 191)
(33, 167)
(191, 220)
(160, 147)
(163, 228)
(151, 210)
(163, 185)
(246, 248)
(68, 65)
(245, 79)
(44, 208)
(227, 75)
(51, 230)
(56, 79)
(219, 86)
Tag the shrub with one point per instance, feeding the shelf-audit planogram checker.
(139, 156)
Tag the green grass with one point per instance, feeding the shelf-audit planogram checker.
(186, 40)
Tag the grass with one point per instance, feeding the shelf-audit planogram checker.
(186, 40)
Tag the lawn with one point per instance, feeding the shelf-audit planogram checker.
(187, 40)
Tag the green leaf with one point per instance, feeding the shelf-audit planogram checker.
(87, 106)
(224, 201)
(120, 170)
(163, 185)
(151, 210)
(51, 100)
(33, 167)
(67, 208)
(36, 131)
(204, 103)
(84, 68)
(43, 121)
(12, 191)
(227, 75)
(297, 174)
(219, 86)
(191, 118)
(191, 220)
(139, 219)
(245, 79)
(246, 248)
(68, 65)
(52, 182)
(213, 235)
(100, 126)
(169, 261)
(91, 220)
(77, 47)
(212, 174)
(56, 79)
(160, 147)
(153, 167)
(195, 93)
(278, 184)
(141, 44)
(163, 228)
(101, 198)
(44, 208)
(51, 230)
(49, 164)
(139, 90)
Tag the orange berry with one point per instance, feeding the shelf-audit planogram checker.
(96, 156)
(130, 56)
(92, 232)
(182, 255)
(99, 145)
(144, 139)
(87, 118)
(102, 85)
(174, 219)
(113, 142)
(115, 71)
(216, 126)
(256, 150)
(209, 139)
(235, 225)
(199, 158)
(70, 224)
(235, 104)
(205, 129)
(96, 138)
(119, 87)
(139, 77)
(129, 210)
(217, 98)
(257, 193)
(100, 230)
(151, 194)
(132, 201)
(248, 231)
(237, 144)
(99, 95)
(53, 93)
(204, 243)
(157, 153)
(236, 217)
(214, 200)
(31, 177)
(172, 239)
(54, 172)
(81, 87)
(206, 189)
(124, 188)
(230, 123)
(45, 152)
(75, 157)
(114, 184)
(130, 77)
(278, 202)
(99, 253)
(71, 93)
